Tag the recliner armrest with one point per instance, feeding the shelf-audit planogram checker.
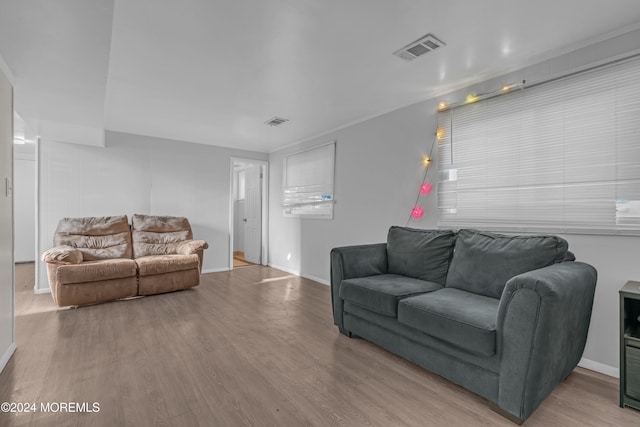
(542, 326)
(189, 247)
(62, 255)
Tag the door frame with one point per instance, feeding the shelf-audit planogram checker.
(264, 245)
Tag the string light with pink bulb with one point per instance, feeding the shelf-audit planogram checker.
(426, 187)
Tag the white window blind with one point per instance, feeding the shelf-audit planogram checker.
(308, 183)
(562, 156)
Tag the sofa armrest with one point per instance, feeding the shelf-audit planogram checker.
(62, 255)
(354, 261)
(189, 247)
(542, 326)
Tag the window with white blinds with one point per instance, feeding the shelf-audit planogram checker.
(308, 177)
(562, 156)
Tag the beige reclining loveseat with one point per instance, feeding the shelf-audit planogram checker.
(97, 259)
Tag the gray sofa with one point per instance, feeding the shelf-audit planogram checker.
(506, 317)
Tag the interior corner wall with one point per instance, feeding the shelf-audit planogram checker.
(7, 280)
(139, 174)
(24, 200)
(377, 174)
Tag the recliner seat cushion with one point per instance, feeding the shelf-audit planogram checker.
(461, 318)
(160, 264)
(94, 271)
(151, 243)
(421, 254)
(483, 262)
(381, 293)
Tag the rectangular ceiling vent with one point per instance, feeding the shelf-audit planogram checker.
(276, 121)
(419, 47)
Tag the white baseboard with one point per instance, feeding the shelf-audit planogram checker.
(599, 367)
(7, 355)
(316, 279)
(214, 270)
(297, 273)
(285, 269)
(41, 291)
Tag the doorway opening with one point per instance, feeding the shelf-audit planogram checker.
(248, 213)
(25, 200)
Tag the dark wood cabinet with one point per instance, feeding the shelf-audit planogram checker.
(630, 345)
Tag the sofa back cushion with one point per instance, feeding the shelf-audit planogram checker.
(483, 262)
(158, 235)
(97, 238)
(421, 254)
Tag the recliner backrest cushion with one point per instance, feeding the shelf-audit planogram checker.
(105, 237)
(421, 254)
(483, 262)
(158, 235)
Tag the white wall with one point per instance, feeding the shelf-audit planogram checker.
(377, 171)
(139, 174)
(24, 202)
(7, 286)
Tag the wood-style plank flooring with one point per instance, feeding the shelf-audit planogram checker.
(255, 346)
(239, 261)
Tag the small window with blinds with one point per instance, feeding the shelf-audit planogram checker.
(308, 183)
(561, 156)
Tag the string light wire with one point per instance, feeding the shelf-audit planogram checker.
(443, 106)
(472, 98)
(426, 174)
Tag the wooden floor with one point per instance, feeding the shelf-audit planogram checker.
(254, 346)
(239, 261)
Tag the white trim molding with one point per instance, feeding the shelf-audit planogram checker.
(316, 279)
(39, 291)
(297, 273)
(285, 269)
(599, 367)
(7, 355)
(214, 270)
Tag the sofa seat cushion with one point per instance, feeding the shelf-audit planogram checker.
(461, 318)
(483, 262)
(160, 264)
(94, 271)
(381, 293)
(421, 254)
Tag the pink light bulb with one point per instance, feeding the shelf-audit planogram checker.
(426, 188)
(417, 212)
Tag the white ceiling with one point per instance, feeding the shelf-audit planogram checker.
(213, 71)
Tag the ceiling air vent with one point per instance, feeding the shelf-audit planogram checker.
(276, 121)
(419, 47)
